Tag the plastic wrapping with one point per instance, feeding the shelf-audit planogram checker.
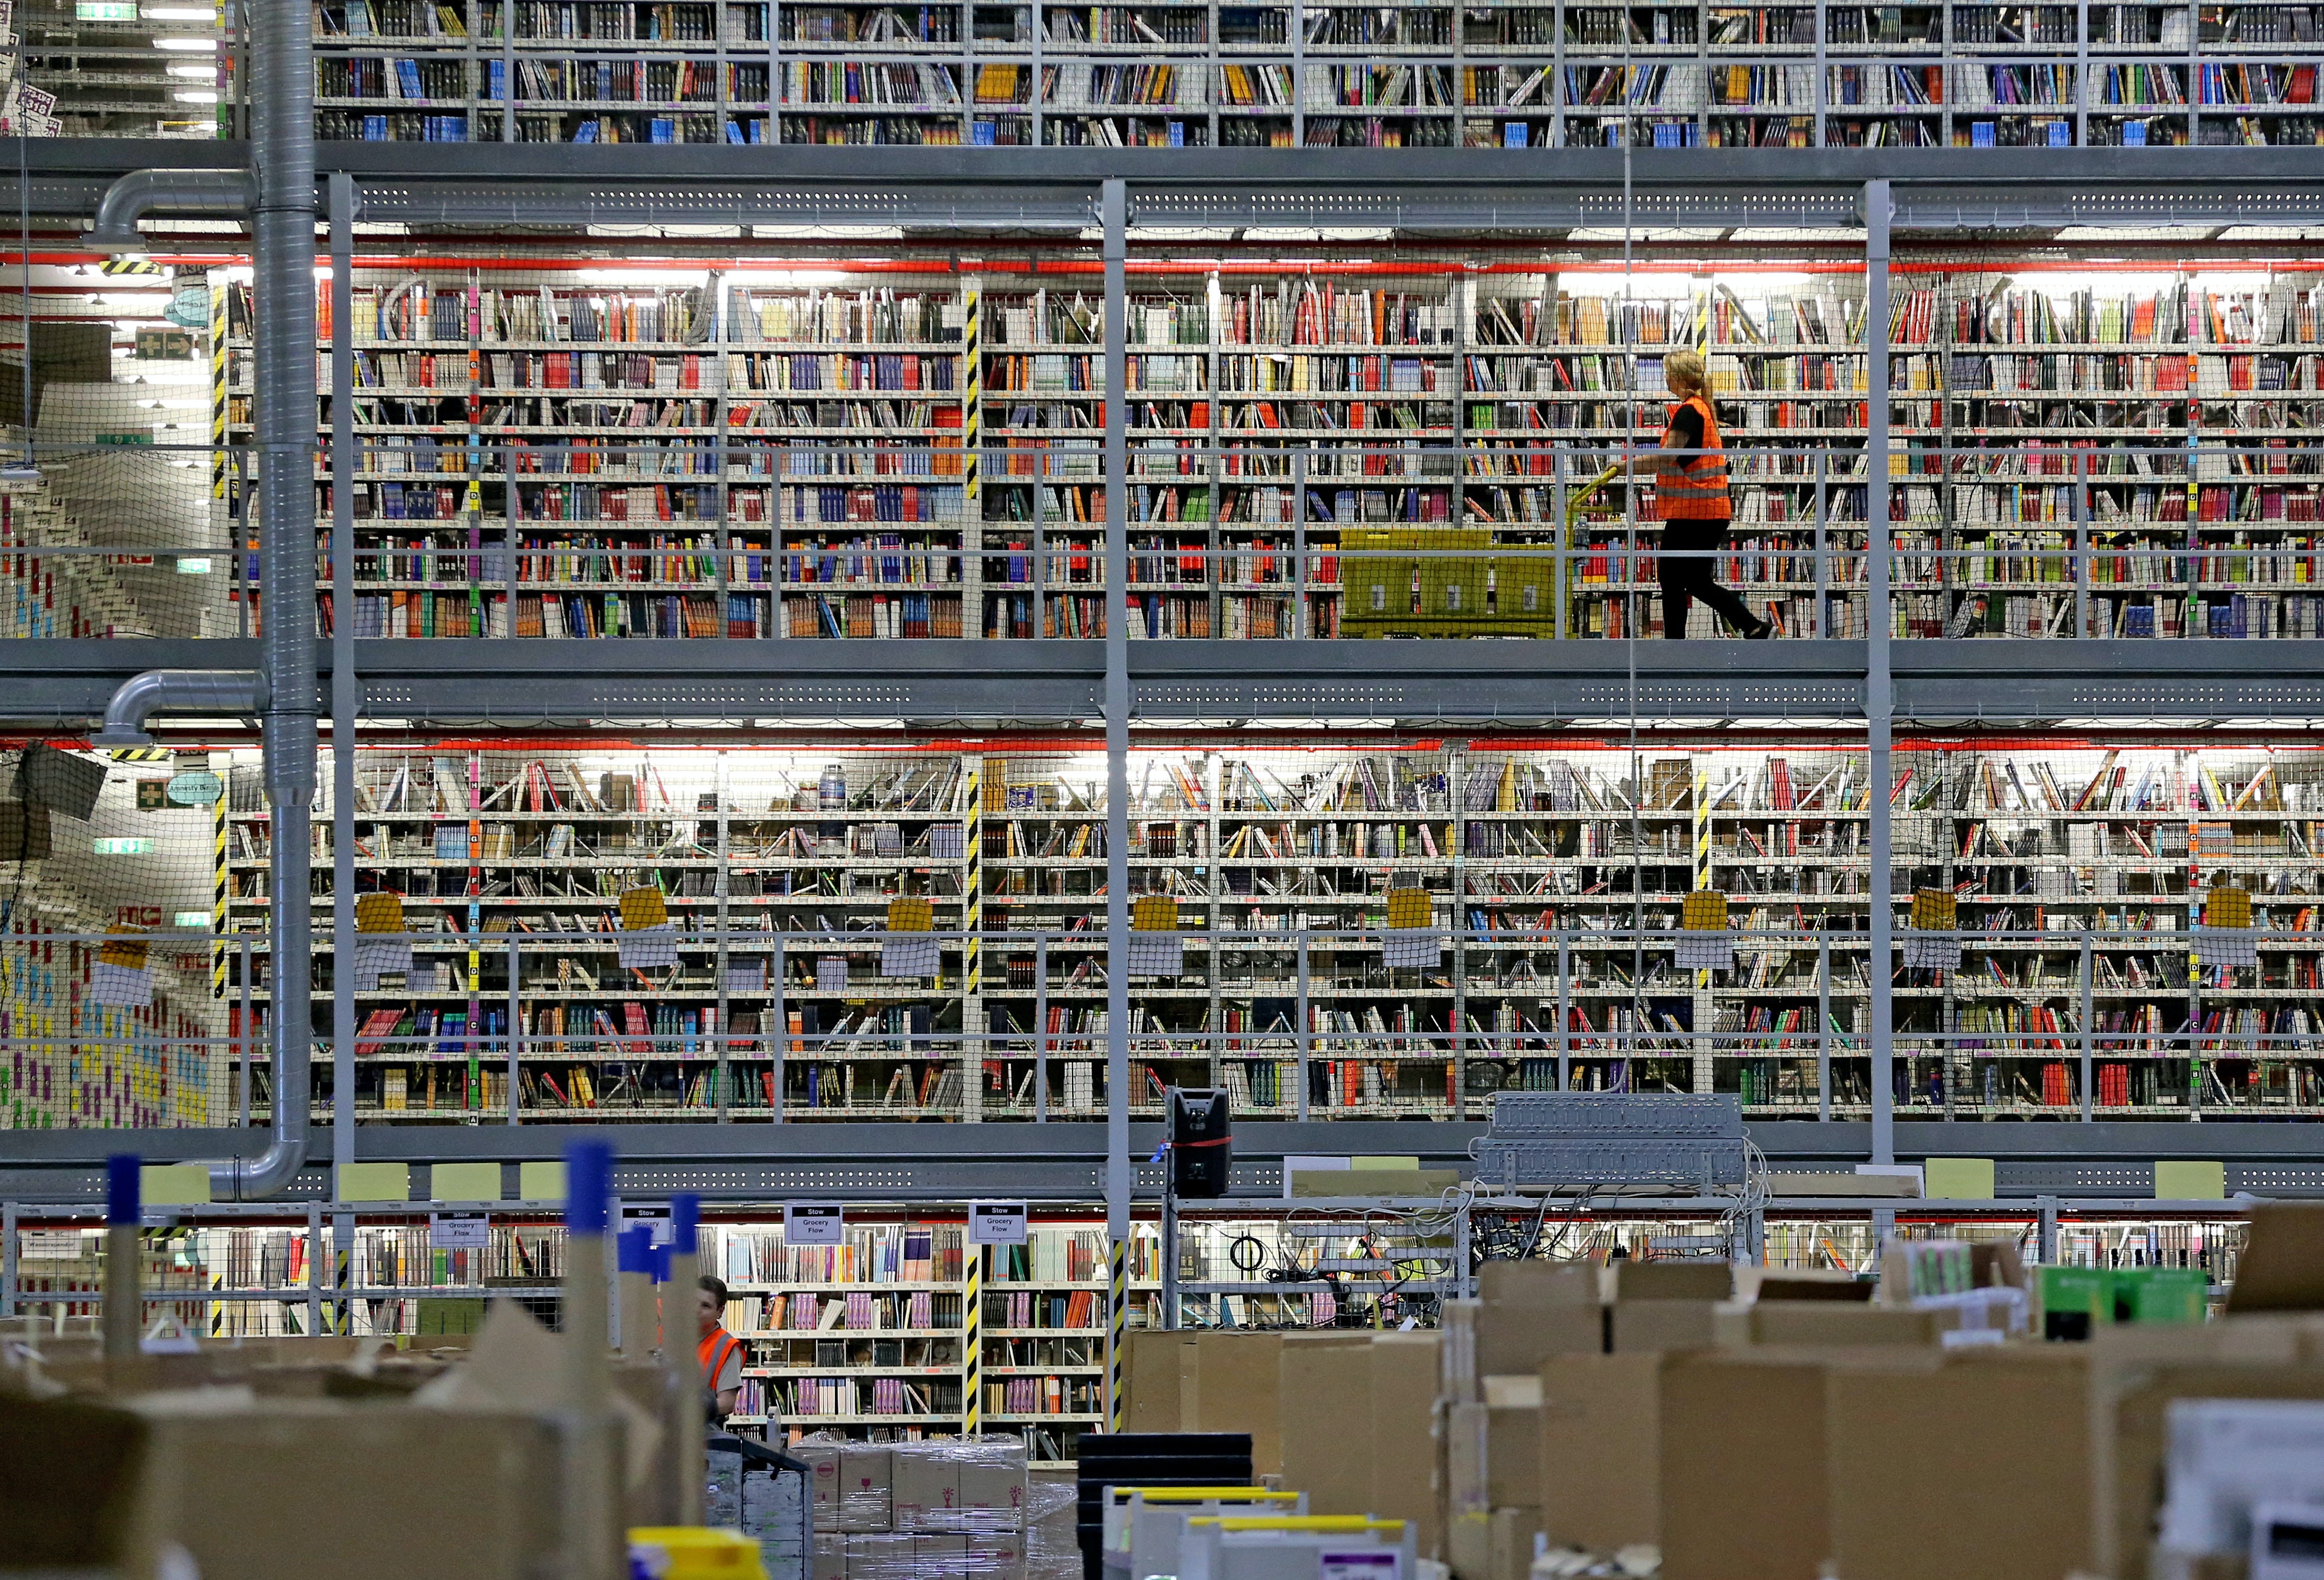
(923, 1510)
(1052, 1545)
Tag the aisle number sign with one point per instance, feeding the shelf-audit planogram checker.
(996, 1222)
(459, 1232)
(814, 1223)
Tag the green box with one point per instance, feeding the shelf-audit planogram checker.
(464, 1182)
(1958, 1178)
(2075, 1301)
(2162, 1294)
(374, 1182)
(541, 1181)
(173, 1184)
(442, 1316)
(2186, 1179)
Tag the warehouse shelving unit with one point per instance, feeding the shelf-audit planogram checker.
(1565, 74)
(1485, 734)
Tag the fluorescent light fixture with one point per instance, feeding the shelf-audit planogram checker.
(196, 95)
(179, 14)
(197, 73)
(187, 44)
(135, 844)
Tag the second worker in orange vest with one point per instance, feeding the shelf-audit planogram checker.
(1691, 497)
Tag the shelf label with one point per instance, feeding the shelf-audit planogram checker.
(459, 1231)
(996, 1222)
(1366, 1563)
(814, 1223)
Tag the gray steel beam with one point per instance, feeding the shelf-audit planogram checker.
(1064, 1160)
(992, 684)
(1937, 190)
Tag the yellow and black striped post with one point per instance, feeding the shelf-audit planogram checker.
(219, 292)
(223, 882)
(972, 1330)
(1117, 1320)
(971, 346)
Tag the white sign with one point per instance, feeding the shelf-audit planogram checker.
(459, 1232)
(814, 1223)
(654, 1218)
(996, 1222)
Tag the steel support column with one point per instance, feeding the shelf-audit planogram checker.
(345, 693)
(1879, 696)
(1115, 206)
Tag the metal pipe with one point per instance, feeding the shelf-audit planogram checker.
(283, 146)
(178, 191)
(140, 697)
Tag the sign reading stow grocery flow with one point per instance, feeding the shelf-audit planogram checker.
(814, 1223)
(996, 1222)
(459, 1232)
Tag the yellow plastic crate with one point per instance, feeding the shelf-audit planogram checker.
(643, 908)
(1703, 912)
(1154, 913)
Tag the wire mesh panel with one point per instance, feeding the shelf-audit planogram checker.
(122, 1004)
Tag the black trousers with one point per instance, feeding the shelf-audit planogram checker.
(1683, 580)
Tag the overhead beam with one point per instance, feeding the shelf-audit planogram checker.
(535, 684)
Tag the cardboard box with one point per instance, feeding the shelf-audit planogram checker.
(1405, 1368)
(1600, 1453)
(1326, 1386)
(1637, 1325)
(1743, 1474)
(240, 1490)
(829, 1559)
(851, 1484)
(1827, 1322)
(881, 1555)
(1493, 1449)
(1528, 1311)
(1179, 1382)
(991, 1500)
(994, 1558)
(2282, 1267)
(2135, 1374)
(1968, 1462)
(924, 1490)
(1670, 1280)
(937, 1558)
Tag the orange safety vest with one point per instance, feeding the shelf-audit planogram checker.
(1695, 488)
(716, 1346)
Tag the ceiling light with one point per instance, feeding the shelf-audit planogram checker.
(200, 73)
(179, 14)
(196, 95)
(187, 44)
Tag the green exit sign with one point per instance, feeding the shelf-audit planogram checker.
(105, 9)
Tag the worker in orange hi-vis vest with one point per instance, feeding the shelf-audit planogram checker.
(1690, 475)
(721, 1352)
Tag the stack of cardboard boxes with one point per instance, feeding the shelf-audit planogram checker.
(930, 1511)
(1789, 1429)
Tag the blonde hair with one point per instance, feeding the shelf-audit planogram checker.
(1684, 372)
